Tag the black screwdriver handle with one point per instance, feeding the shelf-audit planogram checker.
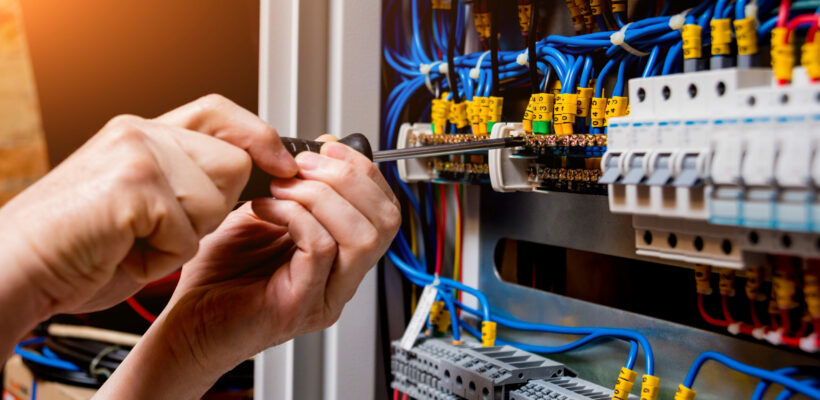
(356, 141)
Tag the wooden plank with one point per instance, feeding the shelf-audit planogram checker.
(23, 154)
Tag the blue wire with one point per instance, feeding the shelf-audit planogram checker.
(40, 359)
(454, 320)
(625, 334)
(426, 279)
(587, 71)
(748, 370)
(672, 58)
(763, 386)
(619, 19)
(618, 90)
(788, 393)
(650, 63)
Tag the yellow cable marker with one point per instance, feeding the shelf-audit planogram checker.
(746, 34)
(684, 393)
(488, 332)
(649, 387)
(692, 41)
(721, 36)
(626, 379)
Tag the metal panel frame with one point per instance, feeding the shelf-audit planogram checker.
(583, 222)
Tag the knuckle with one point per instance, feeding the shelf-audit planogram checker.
(346, 173)
(324, 245)
(138, 168)
(369, 239)
(213, 101)
(392, 218)
(124, 121)
(239, 161)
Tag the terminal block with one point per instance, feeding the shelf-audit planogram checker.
(458, 168)
(564, 388)
(563, 163)
(436, 369)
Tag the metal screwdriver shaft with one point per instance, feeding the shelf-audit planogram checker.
(359, 143)
(446, 149)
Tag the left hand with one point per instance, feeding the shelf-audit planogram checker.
(274, 270)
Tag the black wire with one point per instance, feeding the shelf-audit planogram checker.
(533, 59)
(451, 51)
(494, 10)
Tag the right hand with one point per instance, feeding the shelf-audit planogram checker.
(131, 205)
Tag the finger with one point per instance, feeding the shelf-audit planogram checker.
(164, 240)
(219, 117)
(361, 163)
(358, 239)
(327, 138)
(205, 204)
(226, 166)
(316, 249)
(354, 185)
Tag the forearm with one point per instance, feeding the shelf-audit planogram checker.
(21, 298)
(161, 366)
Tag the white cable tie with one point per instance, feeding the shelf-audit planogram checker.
(443, 68)
(523, 58)
(734, 328)
(751, 10)
(759, 333)
(809, 344)
(677, 21)
(619, 39)
(426, 69)
(775, 337)
(475, 73)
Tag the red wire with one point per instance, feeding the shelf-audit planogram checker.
(800, 20)
(773, 321)
(404, 396)
(707, 317)
(785, 320)
(395, 394)
(442, 229)
(753, 312)
(783, 14)
(460, 238)
(139, 309)
(724, 304)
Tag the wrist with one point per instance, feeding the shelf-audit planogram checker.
(20, 292)
(166, 363)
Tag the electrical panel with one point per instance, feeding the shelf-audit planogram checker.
(662, 198)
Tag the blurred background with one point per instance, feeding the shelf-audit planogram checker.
(66, 68)
(94, 59)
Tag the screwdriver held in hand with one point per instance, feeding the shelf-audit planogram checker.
(359, 142)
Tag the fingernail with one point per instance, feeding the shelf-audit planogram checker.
(308, 160)
(337, 150)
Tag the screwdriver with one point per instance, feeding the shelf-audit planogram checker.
(359, 142)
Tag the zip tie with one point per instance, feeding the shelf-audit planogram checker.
(734, 328)
(809, 344)
(523, 58)
(775, 337)
(676, 22)
(475, 73)
(759, 333)
(619, 39)
(425, 69)
(751, 11)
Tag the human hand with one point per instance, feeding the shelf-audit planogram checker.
(132, 203)
(273, 270)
